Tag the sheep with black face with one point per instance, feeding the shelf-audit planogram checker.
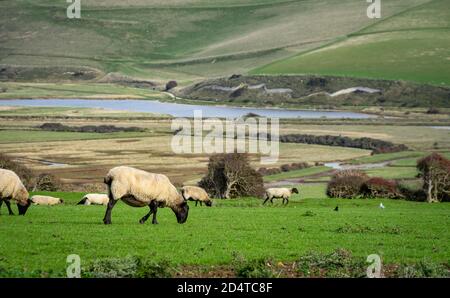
(139, 188)
(197, 194)
(12, 188)
(279, 193)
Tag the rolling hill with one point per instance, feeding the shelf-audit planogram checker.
(195, 39)
(413, 45)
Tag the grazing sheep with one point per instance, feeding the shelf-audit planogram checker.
(94, 199)
(45, 200)
(279, 193)
(138, 188)
(11, 188)
(197, 194)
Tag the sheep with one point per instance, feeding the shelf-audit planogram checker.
(45, 200)
(11, 188)
(94, 199)
(279, 193)
(197, 194)
(139, 188)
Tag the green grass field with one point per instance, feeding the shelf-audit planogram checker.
(186, 40)
(297, 173)
(413, 45)
(403, 232)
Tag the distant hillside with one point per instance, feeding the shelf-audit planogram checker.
(186, 39)
(317, 91)
(413, 45)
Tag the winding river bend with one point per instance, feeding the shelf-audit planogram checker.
(180, 110)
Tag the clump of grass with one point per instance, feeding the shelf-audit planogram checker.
(309, 213)
(339, 263)
(259, 268)
(128, 267)
(359, 229)
(424, 269)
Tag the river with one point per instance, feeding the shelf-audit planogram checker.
(180, 110)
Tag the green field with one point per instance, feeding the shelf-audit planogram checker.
(403, 232)
(297, 173)
(186, 40)
(413, 45)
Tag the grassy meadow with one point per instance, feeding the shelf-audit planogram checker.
(403, 232)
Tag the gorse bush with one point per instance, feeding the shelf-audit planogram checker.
(378, 187)
(339, 263)
(128, 267)
(346, 184)
(259, 268)
(47, 182)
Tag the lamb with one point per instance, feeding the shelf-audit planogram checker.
(11, 188)
(197, 194)
(94, 199)
(45, 200)
(139, 188)
(279, 193)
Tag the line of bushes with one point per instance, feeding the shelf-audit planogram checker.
(377, 146)
(433, 169)
(283, 168)
(88, 128)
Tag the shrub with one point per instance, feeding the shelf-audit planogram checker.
(339, 263)
(259, 268)
(435, 172)
(171, 85)
(423, 269)
(377, 146)
(47, 182)
(346, 184)
(378, 187)
(230, 176)
(128, 267)
(88, 128)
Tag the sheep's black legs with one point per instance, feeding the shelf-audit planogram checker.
(8, 204)
(266, 200)
(107, 218)
(154, 208)
(287, 201)
(1, 203)
(196, 202)
(201, 203)
(144, 219)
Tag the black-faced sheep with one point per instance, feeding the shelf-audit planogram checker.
(279, 193)
(94, 199)
(11, 188)
(138, 188)
(45, 200)
(197, 194)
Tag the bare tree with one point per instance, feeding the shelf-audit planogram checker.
(231, 176)
(435, 172)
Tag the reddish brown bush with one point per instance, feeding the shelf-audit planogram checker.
(346, 184)
(378, 187)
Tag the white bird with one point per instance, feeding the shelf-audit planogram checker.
(381, 206)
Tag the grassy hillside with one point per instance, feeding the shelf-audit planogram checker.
(186, 40)
(412, 45)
